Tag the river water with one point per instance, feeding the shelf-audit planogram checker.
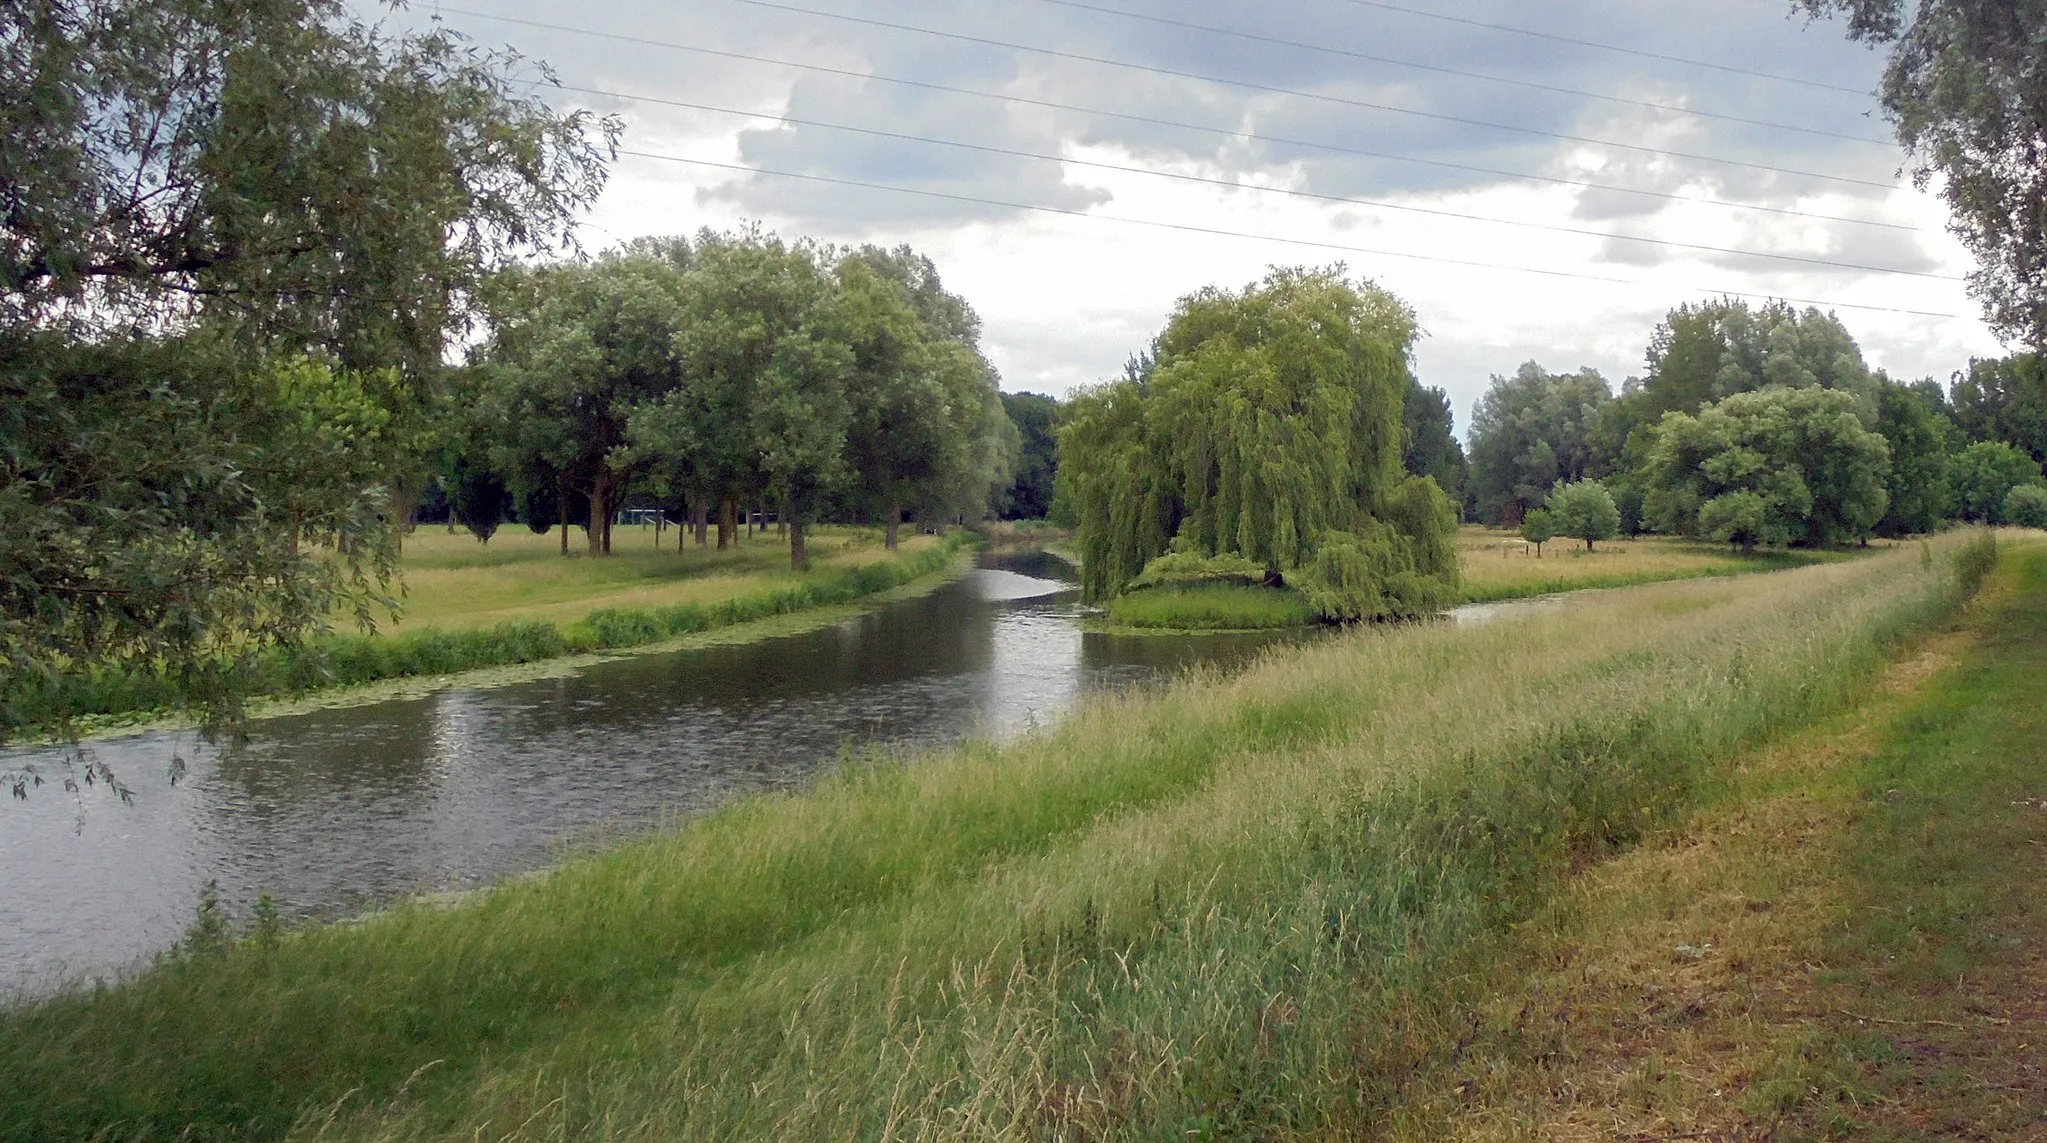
(340, 810)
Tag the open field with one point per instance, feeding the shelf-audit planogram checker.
(1498, 564)
(1194, 914)
(452, 582)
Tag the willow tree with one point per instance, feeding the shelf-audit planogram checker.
(1266, 427)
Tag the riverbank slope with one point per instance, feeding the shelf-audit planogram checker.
(1193, 912)
(473, 609)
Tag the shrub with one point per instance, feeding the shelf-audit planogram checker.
(2025, 506)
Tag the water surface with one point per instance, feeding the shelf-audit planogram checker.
(338, 810)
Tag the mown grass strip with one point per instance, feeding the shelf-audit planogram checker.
(1165, 916)
(1846, 942)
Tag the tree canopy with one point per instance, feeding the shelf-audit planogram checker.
(1266, 425)
(235, 241)
(1777, 466)
(1965, 91)
(1529, 432)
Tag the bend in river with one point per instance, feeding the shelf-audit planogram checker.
(338, 810)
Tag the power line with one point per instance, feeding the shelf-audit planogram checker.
(1344, 101)
(1191, 228)
(1288, 191)
(1560, 39)
(1228, 133)
(1368, 57)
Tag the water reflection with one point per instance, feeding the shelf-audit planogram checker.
(335, 810)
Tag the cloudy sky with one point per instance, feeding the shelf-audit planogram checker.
(1074, 166)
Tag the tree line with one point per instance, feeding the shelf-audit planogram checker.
(1761, 425)
(715, 374)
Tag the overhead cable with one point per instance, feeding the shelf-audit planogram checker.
(1320, 97)
(1191, 228)
(1230, 184)
(1225, 132)
(1562, 39)
(1347, 53)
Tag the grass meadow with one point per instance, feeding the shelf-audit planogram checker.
(454, 583)
(1192, 913)
(1499, 564)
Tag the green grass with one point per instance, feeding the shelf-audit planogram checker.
(1169, 916)
(1211, 607)
(634, 617)
(1498, 564)
(1871, 905)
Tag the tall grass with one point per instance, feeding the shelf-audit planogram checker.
(1179, 915)
(351, 660)
(1211, 607)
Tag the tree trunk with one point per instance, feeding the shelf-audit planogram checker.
(561, 499)
(799, 556)
(699, 519)
(599, 512)
(893, 528)
(728, 523)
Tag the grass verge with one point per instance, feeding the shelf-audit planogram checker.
(355, 660)
(1211, 607)
(1850, 944)
(1183, 915)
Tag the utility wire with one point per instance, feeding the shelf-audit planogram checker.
(1343, 101)
(1190, 228)
(1559, 39)
(1224, 132)
(1368, 57)
(1205, 180)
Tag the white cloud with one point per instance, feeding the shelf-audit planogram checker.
(1065, 300)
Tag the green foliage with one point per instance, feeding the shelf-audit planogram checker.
(1584, 511)
(1965, 92)
(1432, 449)
(1184, 568)
(1530, 431)
(1777, 466)
(2005, 400)
(1030, 493)
(1985, 473)
(1211, 607)
(279, 169)
(1269, 418)
(2025, 507)
(1703, 354)
(236, 241)
(1371, 574)
(479, 500)
(1921, 486)
(1537, 528)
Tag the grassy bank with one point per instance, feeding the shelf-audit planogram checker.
(1170, 916)
(1211, 607)
(1847, 944)
(473, 609)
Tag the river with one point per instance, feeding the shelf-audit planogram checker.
(341, 810)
